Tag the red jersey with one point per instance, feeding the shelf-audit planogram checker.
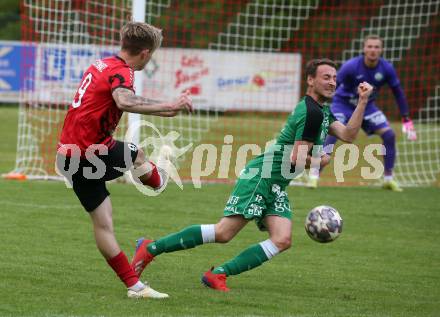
(93, 114)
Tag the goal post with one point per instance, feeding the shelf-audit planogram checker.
(138, 14)
(243, 62)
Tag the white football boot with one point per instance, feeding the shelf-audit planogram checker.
(147, 292)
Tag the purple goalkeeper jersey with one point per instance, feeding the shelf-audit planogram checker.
(354, 71)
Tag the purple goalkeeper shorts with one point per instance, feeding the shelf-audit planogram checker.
(374, 119)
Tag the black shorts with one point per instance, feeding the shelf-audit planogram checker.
(88, 184)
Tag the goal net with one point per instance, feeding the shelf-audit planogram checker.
(243, 63)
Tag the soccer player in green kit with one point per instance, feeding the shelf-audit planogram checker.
(259, 193)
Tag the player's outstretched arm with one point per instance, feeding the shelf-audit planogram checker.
(127, 101)
(348, 133)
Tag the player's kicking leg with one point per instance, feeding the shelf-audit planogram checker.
(149, 173)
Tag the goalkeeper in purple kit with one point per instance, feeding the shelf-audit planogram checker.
(377, 71)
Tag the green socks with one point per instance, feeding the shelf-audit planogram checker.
(248, 259)
(195, 235)
(188, 238)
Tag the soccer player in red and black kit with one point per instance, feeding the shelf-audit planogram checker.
(88, 155)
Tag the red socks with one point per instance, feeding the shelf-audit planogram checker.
(123, 269)
(154, 180)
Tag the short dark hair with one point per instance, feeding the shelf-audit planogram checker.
(312, 65)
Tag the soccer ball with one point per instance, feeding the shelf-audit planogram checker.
(323, 224)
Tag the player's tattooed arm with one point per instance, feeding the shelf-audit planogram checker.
(126, 100)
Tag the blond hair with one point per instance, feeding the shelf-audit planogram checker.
(138, 36)
(373, 37)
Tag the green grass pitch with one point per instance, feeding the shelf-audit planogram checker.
(386, 262)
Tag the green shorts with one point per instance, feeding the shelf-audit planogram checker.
(257, 198)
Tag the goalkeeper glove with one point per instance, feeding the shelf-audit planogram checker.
(408, 128)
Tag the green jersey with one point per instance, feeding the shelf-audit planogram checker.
(259, 192)
(310, 122)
